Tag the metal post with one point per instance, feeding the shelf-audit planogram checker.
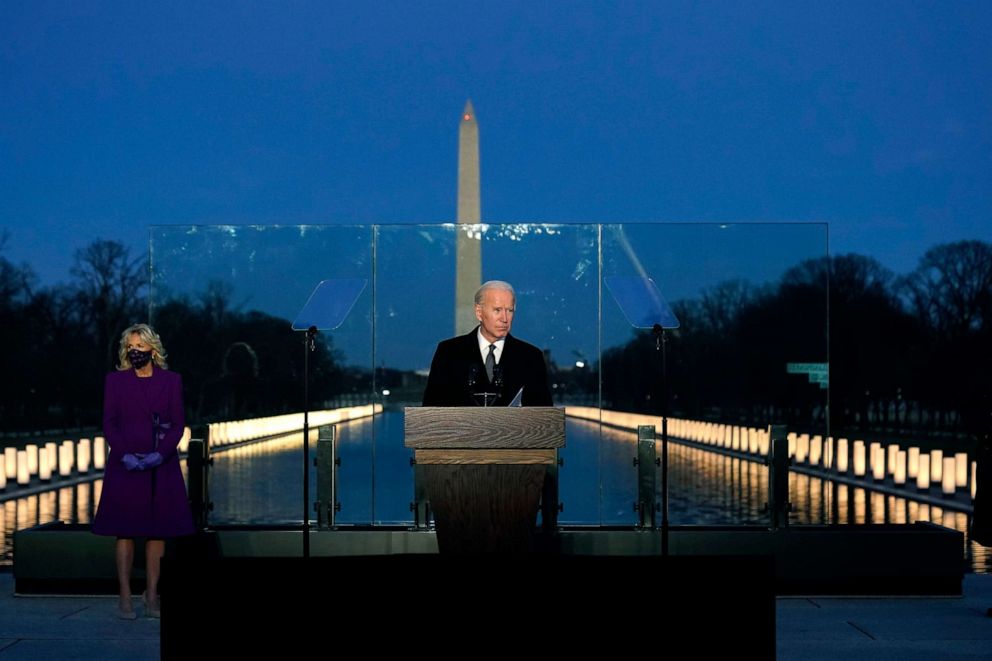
(308, 347)
(778, 505)
(647, 463)
(550, 505)
(661, 345)
(327, 463)
(421, 505)
(198, 464)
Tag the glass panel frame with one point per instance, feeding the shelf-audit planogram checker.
(382, 352)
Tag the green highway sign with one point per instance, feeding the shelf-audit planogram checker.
(816, 372)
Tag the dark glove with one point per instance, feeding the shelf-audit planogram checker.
(131, 462)
(150, 460)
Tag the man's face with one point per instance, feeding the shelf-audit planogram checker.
(495, 313)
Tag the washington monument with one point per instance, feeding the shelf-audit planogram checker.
(468, 253)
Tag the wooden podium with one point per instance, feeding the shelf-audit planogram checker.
(484, 468)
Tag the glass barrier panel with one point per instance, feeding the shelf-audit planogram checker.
(751, 299)
(223, 299)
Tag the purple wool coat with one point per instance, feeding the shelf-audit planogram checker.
(152, 502)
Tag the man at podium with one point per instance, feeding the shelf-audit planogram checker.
(488, 365)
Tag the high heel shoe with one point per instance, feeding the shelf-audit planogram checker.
(126, 614)
(150, 609)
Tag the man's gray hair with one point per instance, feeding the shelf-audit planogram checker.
(494, 284)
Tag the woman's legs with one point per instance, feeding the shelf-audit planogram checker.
(154, 550)
(124, 554)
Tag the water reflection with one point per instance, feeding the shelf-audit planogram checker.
(260, 484)
(72, 503)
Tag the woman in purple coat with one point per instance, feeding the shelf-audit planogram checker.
(143, 490)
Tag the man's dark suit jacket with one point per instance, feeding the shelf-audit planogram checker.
(458, 360)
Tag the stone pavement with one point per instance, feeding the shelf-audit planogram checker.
(808, 629)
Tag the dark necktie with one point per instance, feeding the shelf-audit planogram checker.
(491, 362)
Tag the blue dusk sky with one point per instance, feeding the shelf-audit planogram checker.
(872, 117)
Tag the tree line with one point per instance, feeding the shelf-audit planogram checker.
(910, 353)
(906, 353)
(59, 341)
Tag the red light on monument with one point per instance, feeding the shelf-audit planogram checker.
(467, 117)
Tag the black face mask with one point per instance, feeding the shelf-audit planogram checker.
(139, 358)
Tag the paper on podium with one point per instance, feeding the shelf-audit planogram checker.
(518, 400)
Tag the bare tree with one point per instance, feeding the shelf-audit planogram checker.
(15, 281)
(951, 289)
(110, 289)
(215, 301)
(721, 305)
(856, 277)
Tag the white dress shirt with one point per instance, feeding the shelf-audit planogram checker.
(484, 347)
